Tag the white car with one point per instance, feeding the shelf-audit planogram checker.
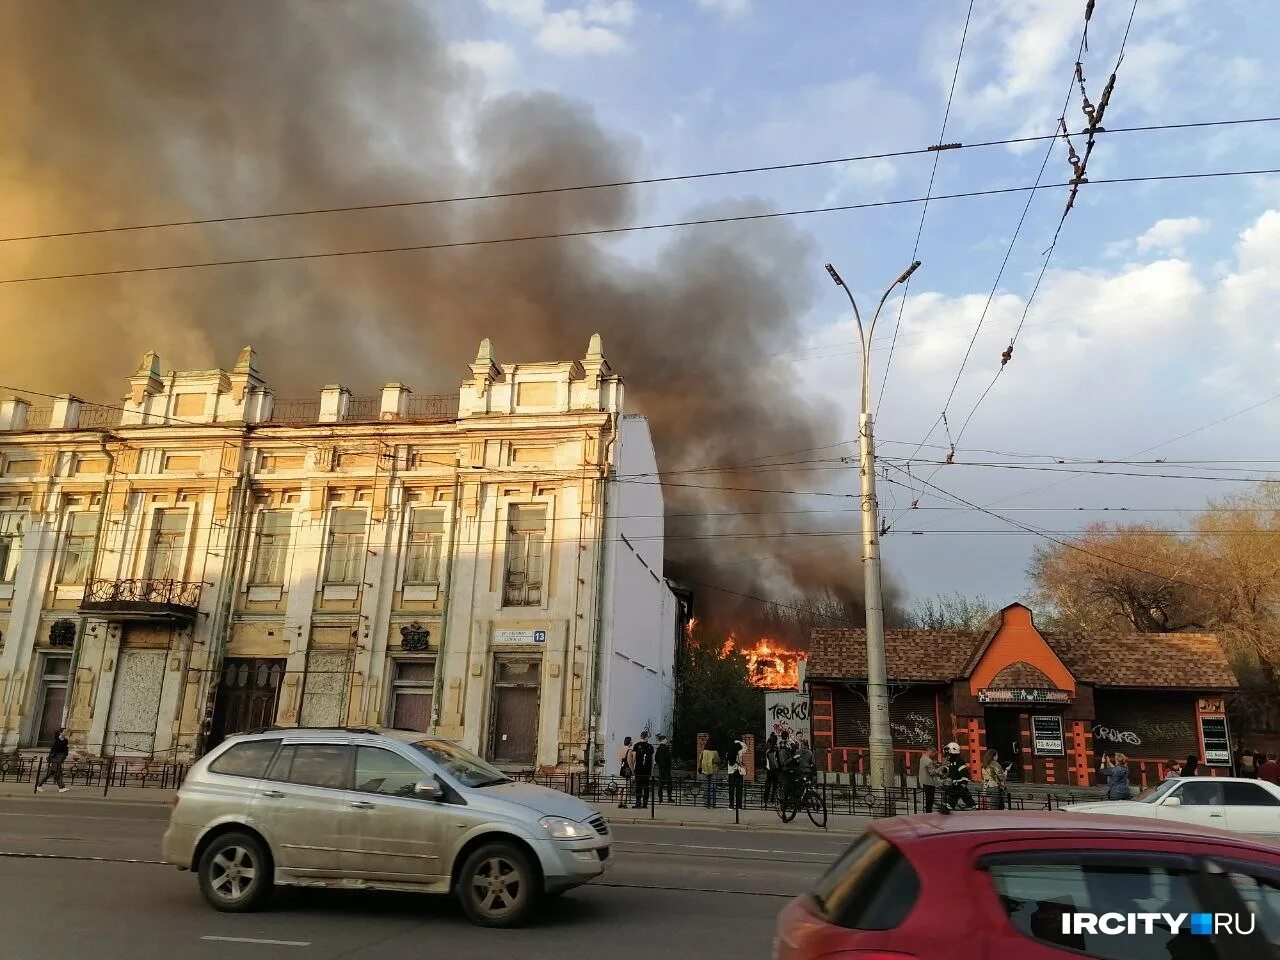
(1228, 803)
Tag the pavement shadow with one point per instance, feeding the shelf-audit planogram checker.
(568, 909)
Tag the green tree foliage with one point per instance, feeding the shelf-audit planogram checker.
(713, 695)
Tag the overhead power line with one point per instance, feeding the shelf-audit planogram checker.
(611, 184)
(611, 231)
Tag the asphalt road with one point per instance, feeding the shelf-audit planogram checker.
(82, 877)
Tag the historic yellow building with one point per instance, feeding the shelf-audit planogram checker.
(204, 559)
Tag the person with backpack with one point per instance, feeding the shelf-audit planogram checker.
(642, 768)
(625, 761)
(707, 767)
(771, 768)
(662, 757)
(736, 766)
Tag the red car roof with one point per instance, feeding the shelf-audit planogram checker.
(1015, 825)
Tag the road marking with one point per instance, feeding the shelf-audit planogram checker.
(270, 943)
(19, 855)
(695, 846)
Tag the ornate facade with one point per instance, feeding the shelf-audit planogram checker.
(205, 558)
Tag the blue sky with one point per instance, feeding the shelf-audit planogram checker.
(1156, 317)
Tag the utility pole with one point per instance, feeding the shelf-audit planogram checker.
(880, 739)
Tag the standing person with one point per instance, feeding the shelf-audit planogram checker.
(994, 779)
(662, 757)
(58, 752)
(734, 764)
(927, 776)
(707, 767)
(771, 766)
(958, 796)
(1173, 771)
(625, 770)
(642, 767)
(1191, 767)
(1117, 773)
(1270, 770)
(1247, 764)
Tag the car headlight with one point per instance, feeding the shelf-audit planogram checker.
(563, 829)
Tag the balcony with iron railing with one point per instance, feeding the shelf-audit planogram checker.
(142, 599)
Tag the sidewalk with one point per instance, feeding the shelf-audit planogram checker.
(721, 818)
(150, 795)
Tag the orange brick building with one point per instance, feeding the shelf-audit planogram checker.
(1051, 704)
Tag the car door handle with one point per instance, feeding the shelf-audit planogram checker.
(273, 794)
(1218, 815)
(361, 804)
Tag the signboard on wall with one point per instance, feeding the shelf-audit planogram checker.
(519, 636)
(1022, 695)
(1217, 747)
(787, 711)
(1046, 736)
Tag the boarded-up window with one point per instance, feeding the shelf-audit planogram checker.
(277, 462)
(21, 466)
(91, 464)
(533, 455)
(412, 686)
(352, 460)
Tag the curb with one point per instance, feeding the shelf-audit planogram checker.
(834, 830)
(72, 796)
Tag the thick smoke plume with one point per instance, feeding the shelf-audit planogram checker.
(194, 109)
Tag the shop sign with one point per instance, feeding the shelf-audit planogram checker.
(1047, 737)
(1022, 695)
(519, 636)
(1217, 747)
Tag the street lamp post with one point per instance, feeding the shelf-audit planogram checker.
(880, 739)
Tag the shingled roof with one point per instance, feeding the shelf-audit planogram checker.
(1190, 661)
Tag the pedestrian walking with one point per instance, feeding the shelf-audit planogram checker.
(662, 758)
(927, 774)
(643, 769)
(625, 770)
(1270, 770)
(1191, 767)
(707, 767)
(1116, 772)
(58, 752)
(771, 768)
(737, 769)
(994, 778)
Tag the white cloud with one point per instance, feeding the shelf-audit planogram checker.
(589, 28)
(494, 59)
(728, 9)
(1169, 234)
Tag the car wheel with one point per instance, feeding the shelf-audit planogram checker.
(235, 873)
(498, 886)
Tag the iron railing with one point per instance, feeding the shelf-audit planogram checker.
(98, 418)
(433, 408)
(106, 772)
(363, 408)
(141, 595)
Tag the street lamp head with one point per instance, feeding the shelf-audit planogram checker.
(835, 276)
(906, 274)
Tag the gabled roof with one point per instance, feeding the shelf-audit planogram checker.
(1187, 661)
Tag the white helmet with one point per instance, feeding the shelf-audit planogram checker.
(953, 747)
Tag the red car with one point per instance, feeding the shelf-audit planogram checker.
(1025, 886)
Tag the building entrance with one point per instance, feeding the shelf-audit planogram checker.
(1004, 735)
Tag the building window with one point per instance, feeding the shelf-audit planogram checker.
(55, 676)
(12, 524)
(346, 545)
(426, 540)
(526, 545)
(166, 560)
(77, 553)
(272, 548)
(412, 687)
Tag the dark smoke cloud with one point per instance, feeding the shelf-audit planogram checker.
(124, 113)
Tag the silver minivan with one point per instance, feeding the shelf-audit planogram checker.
(380, 810)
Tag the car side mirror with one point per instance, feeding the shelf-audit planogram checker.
(428, 789)
(1171, 802)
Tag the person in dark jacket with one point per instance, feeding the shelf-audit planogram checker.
(643, 771)
(1116, 772)
(58, 752)
(662, 757)
(771, 767)
(1191, 767)
(1270, 770)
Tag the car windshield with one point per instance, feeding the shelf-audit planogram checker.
(1154, 794)
(464, 766)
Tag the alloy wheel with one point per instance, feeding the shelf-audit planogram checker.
(498, 886)
(232, 873)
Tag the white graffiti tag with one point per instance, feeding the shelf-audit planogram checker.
(1112, 735)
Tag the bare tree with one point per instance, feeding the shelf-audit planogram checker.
(950, 611)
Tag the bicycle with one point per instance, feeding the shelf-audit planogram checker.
(791, 801)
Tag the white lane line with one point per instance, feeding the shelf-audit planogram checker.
(695, 846)
(270, 943)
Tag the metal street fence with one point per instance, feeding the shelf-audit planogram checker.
(95, 773)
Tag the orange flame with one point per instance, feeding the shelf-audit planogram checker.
(771, 664)
(688, 627)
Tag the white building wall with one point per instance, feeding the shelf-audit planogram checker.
(638, 637)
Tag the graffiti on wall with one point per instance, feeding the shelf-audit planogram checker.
(1145, 732)
(787, 712)
(911, 730)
